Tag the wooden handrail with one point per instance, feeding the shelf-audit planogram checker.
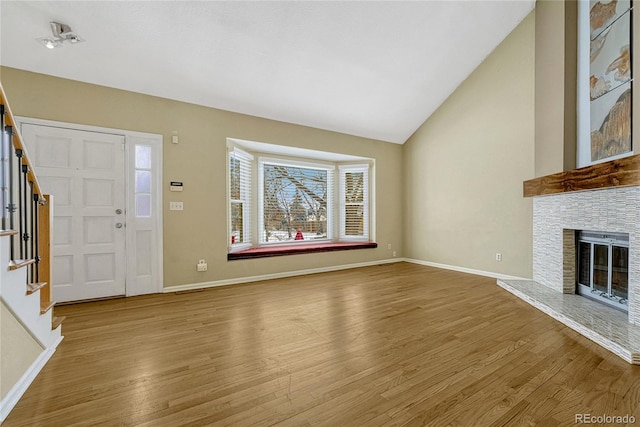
(18, 143)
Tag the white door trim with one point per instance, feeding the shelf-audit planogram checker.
(135, 283)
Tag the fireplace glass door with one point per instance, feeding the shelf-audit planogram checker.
(603, 274)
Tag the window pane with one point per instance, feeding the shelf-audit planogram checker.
(601, 268)
(143, 205)
(240, 210)
(237, 221)
(354, 220)
(234, 181)
(620, 272)
(584, 264)
(143, 182)
(295, 203)
(354, 187)
(143, 157)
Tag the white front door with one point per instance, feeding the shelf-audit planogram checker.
(84, 171)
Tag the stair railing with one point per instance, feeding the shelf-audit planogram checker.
(25, 208)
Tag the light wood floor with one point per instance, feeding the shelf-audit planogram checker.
(398, 344)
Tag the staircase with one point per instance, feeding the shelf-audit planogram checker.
(25, 257)
(24, 299)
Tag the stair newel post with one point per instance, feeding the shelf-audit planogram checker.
(45, 216)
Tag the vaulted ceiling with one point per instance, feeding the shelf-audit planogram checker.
(372, 69)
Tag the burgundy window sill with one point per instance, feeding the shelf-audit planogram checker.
(299, 249)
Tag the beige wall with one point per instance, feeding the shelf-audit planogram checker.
(464, 168)
(555, 86)
(199, 160)
(18, 350)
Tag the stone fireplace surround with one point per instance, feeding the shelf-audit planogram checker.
(555, 221)
(556, 217)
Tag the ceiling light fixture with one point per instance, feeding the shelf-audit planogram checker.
(50, 43)
(61, 33)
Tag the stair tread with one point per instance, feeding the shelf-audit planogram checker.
(32, 287)
(19, 263)
(8, 232)
(46, 306)
(57, 321)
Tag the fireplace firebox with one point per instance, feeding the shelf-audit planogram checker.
(603, 267)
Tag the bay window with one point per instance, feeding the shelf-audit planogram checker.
(278, 197)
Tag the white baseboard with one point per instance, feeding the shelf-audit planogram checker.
(464, 270)
(248, 279)
(238, 280)
(11, 399)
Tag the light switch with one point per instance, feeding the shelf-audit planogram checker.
(175, 206)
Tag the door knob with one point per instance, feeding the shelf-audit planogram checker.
(118, 225)
(118, 211)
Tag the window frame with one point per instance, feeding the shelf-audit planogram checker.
(246, 181)
(139, 168)
(343, 169)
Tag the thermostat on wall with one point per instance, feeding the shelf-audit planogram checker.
(176, 186)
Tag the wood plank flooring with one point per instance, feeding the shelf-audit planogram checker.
(392, 345)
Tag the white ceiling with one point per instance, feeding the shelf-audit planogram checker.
(372, 69)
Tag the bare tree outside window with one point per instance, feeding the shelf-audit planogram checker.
(295, 203)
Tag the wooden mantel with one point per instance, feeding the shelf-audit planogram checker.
(623, 172)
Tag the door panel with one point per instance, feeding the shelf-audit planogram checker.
(84, 171)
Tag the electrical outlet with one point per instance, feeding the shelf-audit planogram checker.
(394, 253)
(498, 256)
(201, 265)
(389, 246)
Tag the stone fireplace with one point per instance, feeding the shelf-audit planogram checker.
(557, 217)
